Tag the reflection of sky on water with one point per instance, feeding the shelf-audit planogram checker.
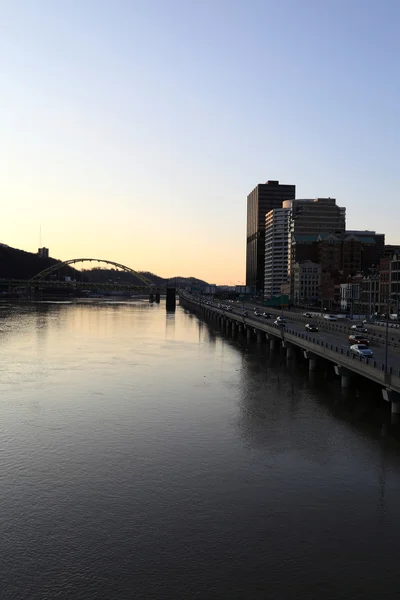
(123, 426)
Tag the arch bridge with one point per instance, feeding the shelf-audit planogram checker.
(41, 278)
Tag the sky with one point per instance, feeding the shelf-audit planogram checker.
(134, 130)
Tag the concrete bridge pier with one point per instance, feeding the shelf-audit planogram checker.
(248, 333)
(394, 399)
(312, 360)
(345, 375)
(272, 343)
(158, 297)
(171, 299)
(289, 349)
(233, 327)
(259, 337)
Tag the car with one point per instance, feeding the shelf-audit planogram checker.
(257, 314)
(312, 328)
(280, 322)
(280, 318)
(245, 313)
(361, 350)
(308, 315)
(359, 328)
(358, 339)
(330, 317)
(267, 315)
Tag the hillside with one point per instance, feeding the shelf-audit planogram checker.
(106, 275)
(18, 264)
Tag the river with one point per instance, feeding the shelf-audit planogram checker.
(144, 454)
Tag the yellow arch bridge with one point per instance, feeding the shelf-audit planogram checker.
(51, 278)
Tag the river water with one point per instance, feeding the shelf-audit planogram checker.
(146, 455)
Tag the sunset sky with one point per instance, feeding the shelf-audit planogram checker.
(134, 130)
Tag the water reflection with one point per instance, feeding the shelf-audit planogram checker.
(154, 452)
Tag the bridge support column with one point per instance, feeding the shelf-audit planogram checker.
(233, 327)
(289, 349)
(393, 398)
(248, 333)
(345, 375)
(158, 297)
(259, 337)
(171, 299)
(272, 343)
(312, 360)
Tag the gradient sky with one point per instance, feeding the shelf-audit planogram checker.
(134, 131)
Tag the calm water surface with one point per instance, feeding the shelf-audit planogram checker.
(146, 455)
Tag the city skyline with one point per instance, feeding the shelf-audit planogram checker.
(135, 131)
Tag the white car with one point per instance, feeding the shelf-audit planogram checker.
(308, 315)
(330, 317)
(361, 350)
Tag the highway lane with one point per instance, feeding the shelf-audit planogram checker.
(379, 328)
(331, 337)
(394, 334)
(341, 341)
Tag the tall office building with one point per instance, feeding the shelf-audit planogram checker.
(276, 250)
(264, 197)
(309, 218)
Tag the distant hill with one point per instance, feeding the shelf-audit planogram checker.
(18, 264)
(108, 275)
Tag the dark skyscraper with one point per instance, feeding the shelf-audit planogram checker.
(264, 197)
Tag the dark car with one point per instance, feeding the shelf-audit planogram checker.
(267, 315)
(312, 328)
(358, 339)
(359, 329)
(280, 322)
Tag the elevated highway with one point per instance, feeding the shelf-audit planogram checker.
(330, 343)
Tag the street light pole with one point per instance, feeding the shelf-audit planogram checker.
(387, 333)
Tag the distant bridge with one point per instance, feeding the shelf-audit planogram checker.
(41, 277)
(46, 279)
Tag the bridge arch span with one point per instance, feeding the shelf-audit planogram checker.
(43, 274)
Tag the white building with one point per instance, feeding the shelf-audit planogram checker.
(276, 250)
(307, 281)
(349, 295)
